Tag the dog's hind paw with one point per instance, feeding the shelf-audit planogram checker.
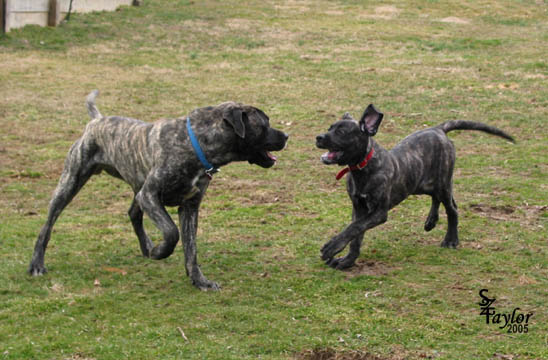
(37, 270)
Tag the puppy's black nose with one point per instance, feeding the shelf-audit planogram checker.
(320, 138)
(286, 135)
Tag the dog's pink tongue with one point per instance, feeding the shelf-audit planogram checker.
(332, 154)
(272, 157)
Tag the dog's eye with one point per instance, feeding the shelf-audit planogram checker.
(340, 132)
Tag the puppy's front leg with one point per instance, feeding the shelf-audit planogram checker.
(353, 232)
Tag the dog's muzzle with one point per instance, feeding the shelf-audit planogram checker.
(330, 157)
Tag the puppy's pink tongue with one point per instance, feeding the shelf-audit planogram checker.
(330, 156)
(272, 157)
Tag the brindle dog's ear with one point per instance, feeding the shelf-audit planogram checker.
(234, 118)
(370, 120)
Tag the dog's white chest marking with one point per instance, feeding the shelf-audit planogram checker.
(193, 188)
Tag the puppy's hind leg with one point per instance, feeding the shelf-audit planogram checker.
(433, 216)
(78, 169)
(451, 237)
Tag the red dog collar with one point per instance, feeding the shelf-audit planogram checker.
(356, 167)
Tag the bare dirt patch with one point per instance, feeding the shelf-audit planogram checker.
(293, 5)
(370, 268)
(331, 354)
(385, 12)
(527, 215)
(455, 20)
(242, 24)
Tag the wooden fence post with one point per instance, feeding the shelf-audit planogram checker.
(53, 13)
(2, 17)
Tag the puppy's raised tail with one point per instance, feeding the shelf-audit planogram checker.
(93, 111)
(473, 125)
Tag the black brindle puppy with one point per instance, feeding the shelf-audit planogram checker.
(160, 163)
(422, 163)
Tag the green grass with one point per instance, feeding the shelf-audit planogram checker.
(304, 63)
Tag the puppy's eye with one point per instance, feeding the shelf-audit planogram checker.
(340, 132)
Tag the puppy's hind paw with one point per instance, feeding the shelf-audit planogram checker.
(429, 225)
(430, 222)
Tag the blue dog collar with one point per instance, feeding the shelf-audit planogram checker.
(210, 169)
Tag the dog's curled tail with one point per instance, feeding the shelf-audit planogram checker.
(473, 125)
(93, 111)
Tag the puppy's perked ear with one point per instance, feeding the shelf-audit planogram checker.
(370, 120)
(235, 118)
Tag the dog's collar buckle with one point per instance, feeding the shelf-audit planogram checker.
(210, 169)
(211, 172)
(359, 166)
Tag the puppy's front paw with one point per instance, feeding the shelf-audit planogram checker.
(333, 247)
(342, 263)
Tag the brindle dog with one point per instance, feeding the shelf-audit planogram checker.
(160, 164)
(422, 163)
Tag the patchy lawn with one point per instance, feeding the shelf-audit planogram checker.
(304, 63)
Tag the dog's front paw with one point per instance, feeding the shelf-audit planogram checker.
(342, 262)
(332, 248)
(161, 251)
(206, 285)
(37, 270)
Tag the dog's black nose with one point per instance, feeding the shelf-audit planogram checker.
(320, 138)
(286, 135)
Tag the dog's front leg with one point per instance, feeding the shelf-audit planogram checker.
(355, 232)
(150, 203)
(188, 217)
(136, 216)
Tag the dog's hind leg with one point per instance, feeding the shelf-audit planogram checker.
(136, 216)
(451, 237)
(78, 169)
(433, 216)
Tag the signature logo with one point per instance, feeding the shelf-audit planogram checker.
(515, 322)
